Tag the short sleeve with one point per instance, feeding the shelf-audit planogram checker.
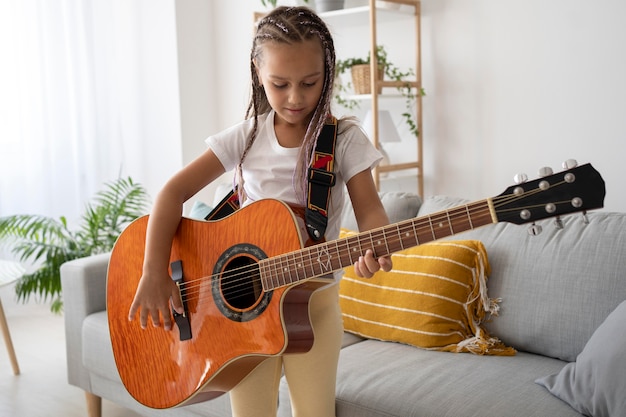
(355, 152)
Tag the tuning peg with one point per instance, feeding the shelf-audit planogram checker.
(545, 171)
(535, 229)
(570, 163)
(558, 222)
(520, 178)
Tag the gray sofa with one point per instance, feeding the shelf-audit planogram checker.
(557, 289)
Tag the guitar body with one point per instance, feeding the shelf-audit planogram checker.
(230, 334)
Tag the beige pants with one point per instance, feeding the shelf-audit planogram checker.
(310, 376)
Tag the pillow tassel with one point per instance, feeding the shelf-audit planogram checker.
(483, 344)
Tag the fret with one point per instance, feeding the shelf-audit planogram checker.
(291, 260)
(288, 268)
(432, 229)
(280, 276)
(274, 274)
(462, 222)
(302, 265)
(469, 217)
(376, 244)
(343, 248)
(310, 263)
(417, 240)
(356, 249)
(337, 257)
(441, 226)
(372, 245)
(450, 223)
(284, 265)
(307, 262)
(263, 274)
(351, 249)
(400, 238)
(394, 239)
(386, 241)
(480, 214)
(423, 230)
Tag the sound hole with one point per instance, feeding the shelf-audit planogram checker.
(236, 283)
(241, 283)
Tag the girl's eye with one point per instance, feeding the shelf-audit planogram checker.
(310, 84)
(280, 86)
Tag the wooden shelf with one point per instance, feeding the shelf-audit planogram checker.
(372, 15)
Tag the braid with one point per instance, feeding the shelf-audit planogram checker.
(290, 25)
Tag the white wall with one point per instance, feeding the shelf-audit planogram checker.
(199, 104)
(214, 41)
(514, 86)
(511, 86)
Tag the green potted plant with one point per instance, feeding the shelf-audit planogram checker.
(360, 71)
(47, 242)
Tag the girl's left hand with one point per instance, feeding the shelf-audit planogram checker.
(367, 265)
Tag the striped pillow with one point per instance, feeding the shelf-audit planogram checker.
(435, 297)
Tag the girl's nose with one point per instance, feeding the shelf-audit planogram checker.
(295, 96)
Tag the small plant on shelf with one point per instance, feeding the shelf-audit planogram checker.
(386, 69)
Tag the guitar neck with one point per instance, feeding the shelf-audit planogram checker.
(325, 258)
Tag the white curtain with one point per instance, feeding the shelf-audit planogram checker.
(88, 92)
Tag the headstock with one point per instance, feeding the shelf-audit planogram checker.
(573, 190)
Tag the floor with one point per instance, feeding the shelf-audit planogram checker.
(41, 389)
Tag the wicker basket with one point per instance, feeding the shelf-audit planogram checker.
(361, 78)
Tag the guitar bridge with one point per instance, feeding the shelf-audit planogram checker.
(182, 320)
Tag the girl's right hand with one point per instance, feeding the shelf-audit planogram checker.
(156, 293)
(152, 299)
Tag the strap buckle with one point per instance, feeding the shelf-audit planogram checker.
(321, 177)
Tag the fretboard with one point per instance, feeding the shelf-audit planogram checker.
(325, 258)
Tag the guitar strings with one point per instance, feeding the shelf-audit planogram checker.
(241, 280)
(231, 287)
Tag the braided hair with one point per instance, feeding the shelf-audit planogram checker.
(290, 25)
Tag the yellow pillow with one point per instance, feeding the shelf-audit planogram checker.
(435, 297)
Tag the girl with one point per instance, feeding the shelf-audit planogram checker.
(292, 67)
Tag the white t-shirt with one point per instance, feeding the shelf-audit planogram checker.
(268, 170)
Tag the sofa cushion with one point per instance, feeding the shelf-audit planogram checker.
(435, 297)
(199, 210)
(595, 384)
(97, 350)
(390, 379)
(437, 203)
(398, 206)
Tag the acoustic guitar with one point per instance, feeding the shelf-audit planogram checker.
(246, 280)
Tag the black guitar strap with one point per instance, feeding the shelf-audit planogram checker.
(228, 205)
(321, 178)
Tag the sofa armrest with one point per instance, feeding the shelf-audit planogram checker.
(84, 292)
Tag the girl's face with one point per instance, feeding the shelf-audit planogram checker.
(293, 78)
